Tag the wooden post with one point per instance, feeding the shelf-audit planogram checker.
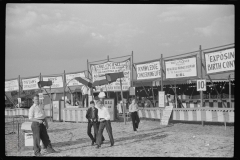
(153, 97)
(175, 94)
(64, 85)
(230, 98)
(19, 91)
(161, 72)
(122, 101)
(201, 92)
(51, 107)
(132, 74)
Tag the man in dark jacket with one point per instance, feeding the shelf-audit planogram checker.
(92, 116)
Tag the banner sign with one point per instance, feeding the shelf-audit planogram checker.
(220, 61)
(161, 99)
(99, 70)
(70, 81)
(181, 68)
(166, 115)
(57, 82)
(11, 85)
(30, 83)
(148, 70)
(109, 103)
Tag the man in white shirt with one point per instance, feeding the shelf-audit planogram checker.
(84, 95)
(104, 118)
(39, 127)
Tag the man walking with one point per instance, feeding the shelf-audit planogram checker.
(92, 116)
(104, 118)
(39, 127)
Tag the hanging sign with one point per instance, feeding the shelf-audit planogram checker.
(70, 81)
(220, 61)
(132, 91)
(161, 99)
(109, 103)
(148, 70)
(201, 85)
(30, 83)
(98, 70)
(19, 100)
(11, 85)
(181, 68)
(166, 115)
(57, 82)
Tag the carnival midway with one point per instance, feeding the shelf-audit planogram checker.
(171, 106)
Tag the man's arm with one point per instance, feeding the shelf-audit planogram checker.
(87, 114)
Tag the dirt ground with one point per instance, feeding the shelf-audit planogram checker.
(152, 140)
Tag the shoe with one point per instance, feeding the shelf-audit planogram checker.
(92, 143)
(38, 154)
(111, 145)
(51, 150)
(98, 146)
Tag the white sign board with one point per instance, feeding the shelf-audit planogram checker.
(220, 61)
(11, 85)
(161, 99)
(181, 68)
(57, 82)
(70, 81)
(109, 103)
(29, 139)
(55, 110)
(19, 100)
(30, 83)
(112, 67)
(40, 95)
(148, 70)
(201, 85)
(132, 91)
(166, 115)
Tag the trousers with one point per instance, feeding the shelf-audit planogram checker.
(108, 126)
(85, 96)
(95, 126)
(135, 120)
(39, 133)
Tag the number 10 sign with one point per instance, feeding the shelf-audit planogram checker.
(201, 85)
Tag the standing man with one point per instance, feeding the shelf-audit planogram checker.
(84, 95)
(92, 116)
(133, 109)
(39, 127)
(104, 118)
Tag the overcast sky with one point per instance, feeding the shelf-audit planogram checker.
(51, 38)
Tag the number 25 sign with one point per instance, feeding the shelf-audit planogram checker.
(201, 85)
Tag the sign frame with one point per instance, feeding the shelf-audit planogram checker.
(112, 113)
(205, 84)
(204, 54)
(195, 56)
(147, 62)
(164, 103)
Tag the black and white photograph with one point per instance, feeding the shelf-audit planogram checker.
(119, 80)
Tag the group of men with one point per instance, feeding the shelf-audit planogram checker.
(98, 117)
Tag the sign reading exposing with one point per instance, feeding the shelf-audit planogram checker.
(11, 85)
(180, 68)
(161, 99)
(148, 70)
(201, 85)
(57, 82)
(73, 82)
(166, 115)
(220, 61)
(109, 103)
(99, 70)
(30, 83)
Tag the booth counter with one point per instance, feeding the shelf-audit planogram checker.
(191, 114)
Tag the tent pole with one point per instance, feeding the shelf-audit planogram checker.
(122, 101)
(64, 85)
(230, 97)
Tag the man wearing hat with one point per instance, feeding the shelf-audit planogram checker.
(104, 118)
